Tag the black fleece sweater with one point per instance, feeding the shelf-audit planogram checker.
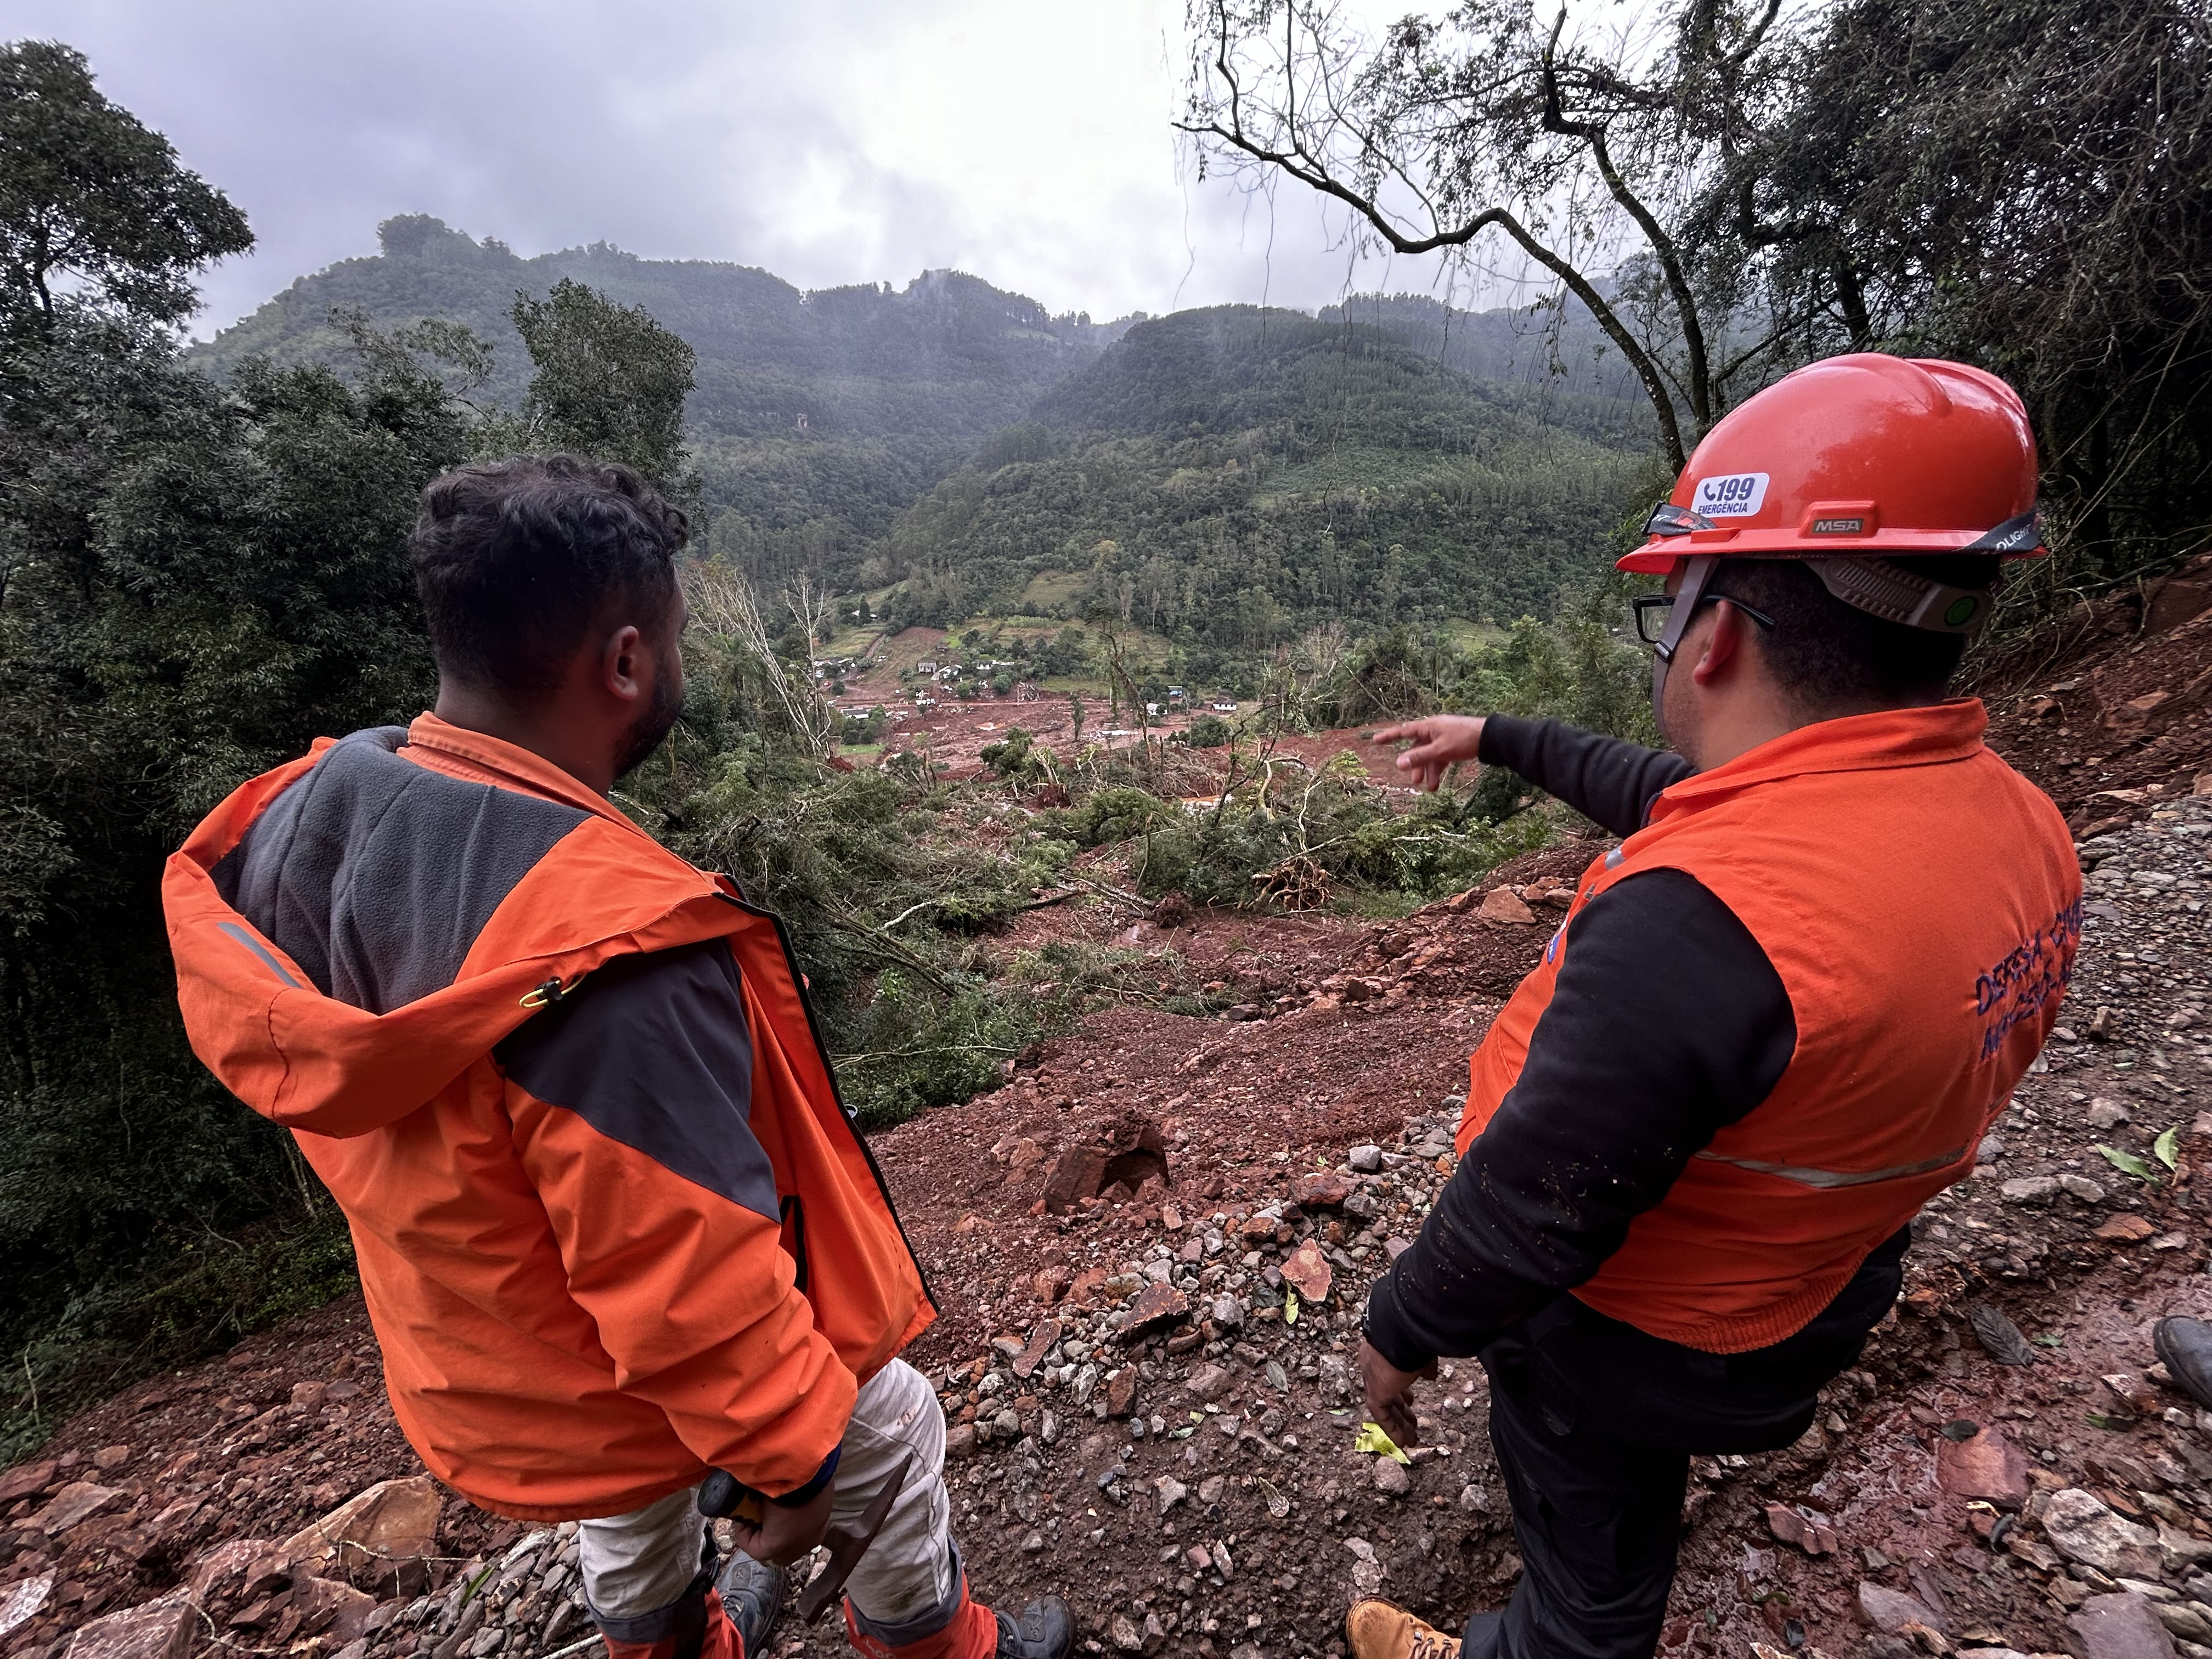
(1667, 1024)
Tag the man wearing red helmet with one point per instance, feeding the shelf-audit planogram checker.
(1780, 1013)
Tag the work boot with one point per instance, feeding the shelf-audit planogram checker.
(1377, 1630)
(752, 1597)
(2185, 1348)
(1046, 1630)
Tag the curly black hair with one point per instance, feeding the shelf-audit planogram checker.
(515, 559)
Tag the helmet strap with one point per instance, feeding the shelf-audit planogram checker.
(1883, 589)
(1695, 578)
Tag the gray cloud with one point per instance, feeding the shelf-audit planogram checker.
(845, 141)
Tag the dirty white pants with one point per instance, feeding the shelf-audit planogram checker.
(903, 1588)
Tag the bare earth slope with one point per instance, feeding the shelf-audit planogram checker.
(1141, 1424)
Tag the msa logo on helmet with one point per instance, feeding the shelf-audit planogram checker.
(1839, 526)
(1733, 495)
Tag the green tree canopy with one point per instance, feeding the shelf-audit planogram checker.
(94, 203)
(610, 382)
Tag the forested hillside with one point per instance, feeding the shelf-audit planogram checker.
(816, 417)
(1230, 475)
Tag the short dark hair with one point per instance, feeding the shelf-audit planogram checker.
(515, 558)
(1828, 654)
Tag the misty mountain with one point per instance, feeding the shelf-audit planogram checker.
(1390, 458)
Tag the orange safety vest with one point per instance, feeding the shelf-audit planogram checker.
(1920, 902)
(569, 1327)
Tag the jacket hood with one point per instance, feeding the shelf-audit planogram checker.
(354, 929)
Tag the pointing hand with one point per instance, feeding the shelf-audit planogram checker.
(1438, 741)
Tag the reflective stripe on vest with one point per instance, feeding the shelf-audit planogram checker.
(1839, 1178)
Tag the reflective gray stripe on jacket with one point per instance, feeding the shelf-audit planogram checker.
(1805, 1177)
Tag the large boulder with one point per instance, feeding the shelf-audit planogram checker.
(159, 1629)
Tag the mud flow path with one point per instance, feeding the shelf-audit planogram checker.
(1151, 1247)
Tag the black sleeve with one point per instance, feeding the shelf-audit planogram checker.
(1667, 1022)
(1609, 781)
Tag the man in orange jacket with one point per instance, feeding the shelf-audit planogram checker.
(614, 1227)
(1779, 1016)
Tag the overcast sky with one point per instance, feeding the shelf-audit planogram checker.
(828, 141)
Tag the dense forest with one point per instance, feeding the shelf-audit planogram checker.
(1234, 475)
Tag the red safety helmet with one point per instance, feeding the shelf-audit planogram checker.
(1853, 459)
(1841, 463)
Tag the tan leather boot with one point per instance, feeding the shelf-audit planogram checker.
(1377, 1630)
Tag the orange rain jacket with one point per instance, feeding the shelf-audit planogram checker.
(608, 1244)
(1920, 902)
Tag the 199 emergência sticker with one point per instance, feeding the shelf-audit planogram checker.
(1732, 496)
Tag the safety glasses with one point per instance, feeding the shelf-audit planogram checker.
(1652, 611)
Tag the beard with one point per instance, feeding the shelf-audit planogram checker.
(651, 728)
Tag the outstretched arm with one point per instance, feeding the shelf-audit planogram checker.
(1609, 781)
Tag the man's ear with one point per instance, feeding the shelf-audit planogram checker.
(621, 665)
(1724, 647)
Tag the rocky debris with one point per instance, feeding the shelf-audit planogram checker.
(2083, 1529)
(1128, 1151)
(2123, 1626)
(161, 1629)
(1325, 1191)
(1503, 904)
(23, 1600)
(1158, 1306)
(1254, 1416)
(1986, 1466)
(1308, 1272)
(1807, 1529)
(383, 1537)
(1891, 1611)
(78, 1501)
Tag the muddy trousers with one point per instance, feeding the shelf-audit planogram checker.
(648, 1576)
(1595, 1424)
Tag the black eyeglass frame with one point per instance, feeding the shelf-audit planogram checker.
(1662, 605)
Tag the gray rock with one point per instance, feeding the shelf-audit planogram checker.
(2121, 1627)
(1227, 1312)
(1171, 1491)
(2107, 1114)
(1473, 1500)
(1890, 1610)
(1392, 1477)
(1208, 1382)
(2083, 1189)
(1034, 1544)
(2030, 1189)
(2082, 1528)
(1366, 1159)
(2184, 1618)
